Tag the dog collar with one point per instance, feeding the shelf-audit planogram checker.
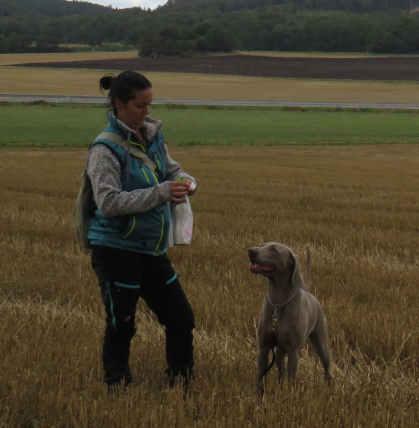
(278, 306)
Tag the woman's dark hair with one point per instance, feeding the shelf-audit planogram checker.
(124, 86)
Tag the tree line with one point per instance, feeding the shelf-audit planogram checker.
(189, 26)
(345, 5)
(50, 8)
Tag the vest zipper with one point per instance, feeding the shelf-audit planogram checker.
(147, 177)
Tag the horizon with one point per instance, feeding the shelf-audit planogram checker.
(125, 4)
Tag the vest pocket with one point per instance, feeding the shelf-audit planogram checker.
(144, 227)
(132, 224)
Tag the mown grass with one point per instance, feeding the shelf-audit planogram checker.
(76, 126)
(22, 58)
(355, 207)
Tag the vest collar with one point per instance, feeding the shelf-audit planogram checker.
(150, 128)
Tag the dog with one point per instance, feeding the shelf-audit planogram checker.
(290, 315)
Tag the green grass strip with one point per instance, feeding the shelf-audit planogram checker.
(77, 126)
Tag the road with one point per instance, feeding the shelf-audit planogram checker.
(64, 99)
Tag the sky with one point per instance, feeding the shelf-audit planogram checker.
(145, 4)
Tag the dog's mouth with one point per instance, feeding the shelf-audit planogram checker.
(261, 268)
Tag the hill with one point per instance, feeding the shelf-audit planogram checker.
(50, 8)
(67, 7)
(347, 5)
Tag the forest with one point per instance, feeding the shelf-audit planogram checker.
(185, 27)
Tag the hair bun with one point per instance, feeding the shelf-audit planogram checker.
(106, 82)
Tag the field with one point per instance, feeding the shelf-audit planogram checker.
(354, 207)
(320, 54)
(10, 59)
(343, 184)
(22, 58)
(72, 126)
(368, 68)
(82, 81)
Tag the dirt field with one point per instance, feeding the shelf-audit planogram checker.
(319, 54)
(355, 207)
(384, 68)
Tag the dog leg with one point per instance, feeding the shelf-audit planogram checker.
(262, 366)
(319, 341)
(292, 365)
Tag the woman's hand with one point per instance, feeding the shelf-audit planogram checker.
(191, 185)
(178, 191)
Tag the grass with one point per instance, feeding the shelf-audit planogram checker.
(355, 207)
(22, 58)
(76, 126)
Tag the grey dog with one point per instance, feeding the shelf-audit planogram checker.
(290, 314)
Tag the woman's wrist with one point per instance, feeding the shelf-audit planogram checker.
(163, 190)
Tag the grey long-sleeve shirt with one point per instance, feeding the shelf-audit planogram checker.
(104, 171)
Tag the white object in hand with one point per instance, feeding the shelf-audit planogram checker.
(182, 224)
(192, 186)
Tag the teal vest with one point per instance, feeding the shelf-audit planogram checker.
(143, 232)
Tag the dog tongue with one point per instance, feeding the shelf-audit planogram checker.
(255, 268)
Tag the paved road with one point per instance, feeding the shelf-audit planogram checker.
(64, 99)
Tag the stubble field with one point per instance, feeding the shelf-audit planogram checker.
(355, 207)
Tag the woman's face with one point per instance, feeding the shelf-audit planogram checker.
(136, 109)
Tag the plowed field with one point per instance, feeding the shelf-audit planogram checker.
(381, 68)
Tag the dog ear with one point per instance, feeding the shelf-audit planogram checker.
(296, 279)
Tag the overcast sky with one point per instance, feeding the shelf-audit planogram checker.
(145, 4)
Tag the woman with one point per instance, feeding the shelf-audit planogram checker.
(134, 181)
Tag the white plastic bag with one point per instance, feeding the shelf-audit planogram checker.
(181, 227)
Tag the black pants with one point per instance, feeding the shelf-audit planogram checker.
(124, 276)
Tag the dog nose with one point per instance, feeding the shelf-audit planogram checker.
(252, 252)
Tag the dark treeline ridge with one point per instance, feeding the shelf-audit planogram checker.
(187, 26)
(50, 8)
(345, 5)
